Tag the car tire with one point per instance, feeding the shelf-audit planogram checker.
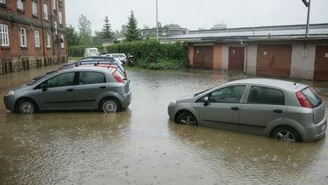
(110, 106)
(286, 133)
(26, 106)
(186, 118)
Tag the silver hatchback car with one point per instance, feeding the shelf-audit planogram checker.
(279, 109)
(79, 88)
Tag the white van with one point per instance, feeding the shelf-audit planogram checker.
(91, 52)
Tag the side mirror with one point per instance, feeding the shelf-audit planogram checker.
(44, 86)
(206, 101)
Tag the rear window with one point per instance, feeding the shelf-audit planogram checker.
(120, 74)
(312, 96)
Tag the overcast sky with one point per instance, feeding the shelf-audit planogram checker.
(193, 14)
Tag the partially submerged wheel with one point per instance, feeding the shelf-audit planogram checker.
(110, 106)
(26, 107)
(186, 118)
(286, 134)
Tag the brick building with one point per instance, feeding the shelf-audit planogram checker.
(32, 34)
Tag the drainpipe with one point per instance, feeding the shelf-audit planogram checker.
(245, 60)
(43, 31)
(52, 26)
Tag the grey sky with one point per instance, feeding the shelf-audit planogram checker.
(193, 14)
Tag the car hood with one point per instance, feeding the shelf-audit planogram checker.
(23, 87)
(185, 98)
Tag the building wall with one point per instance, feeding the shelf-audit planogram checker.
(24, 58)
(191, 54)
(217, 63)
(251, 55)
(302, 66)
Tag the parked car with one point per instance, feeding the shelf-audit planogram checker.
(79, 88)
(91, 52)
(121, 56)
(87, 60)
(279, 109)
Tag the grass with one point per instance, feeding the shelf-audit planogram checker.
(74, 58)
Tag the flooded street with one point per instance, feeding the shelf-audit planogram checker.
(141, 146)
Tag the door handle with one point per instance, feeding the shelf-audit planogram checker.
(279, 111)
(102, 87)
(69, 90)
(235, 108)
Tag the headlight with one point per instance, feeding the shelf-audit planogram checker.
(172, 103)
(10, 93)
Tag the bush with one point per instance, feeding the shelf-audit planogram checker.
(154, 55)
(78, 51)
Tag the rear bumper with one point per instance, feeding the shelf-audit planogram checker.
(318, 131)
(127, 99)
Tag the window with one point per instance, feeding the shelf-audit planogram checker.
(4, 35)
(45, 11)
(23, 37)
(54, 4)
(312, 96)
(60, 17)
(92, 78)
(2, 1)
(264, 95)
(62, 44)
(35, 8)
(48, 41)
(230, 94)
(37, 38)
(66, 79)
(20, 4)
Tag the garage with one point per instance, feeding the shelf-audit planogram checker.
(321, 63)
(274, 60)
(236, 58)
(203, 57)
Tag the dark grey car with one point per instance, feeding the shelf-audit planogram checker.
(280, 109)
(80, 88)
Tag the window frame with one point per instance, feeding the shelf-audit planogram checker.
(45, 12)
(20, 5)
(57, 76)
(62, 44)
(23, 37)
(2, 1)
(54, 4)
(230, 86)
(4, 32)
(60, 17)
(80, 77)
(35, 8)
(48, 40)
(37, 38)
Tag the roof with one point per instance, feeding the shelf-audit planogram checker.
(284, 84)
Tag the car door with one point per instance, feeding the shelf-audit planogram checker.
(91, 85)
(59, 92)
(264, 105)
(222, 108)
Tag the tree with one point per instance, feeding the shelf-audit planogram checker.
(85, 31)
(107, 32)
(72, 36)
(96, 39)
(132, 32)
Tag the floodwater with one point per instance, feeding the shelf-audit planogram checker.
(141, 146)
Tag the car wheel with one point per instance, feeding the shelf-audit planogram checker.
(286, 134)
(110, 106)
(26, 107)
(186, 118)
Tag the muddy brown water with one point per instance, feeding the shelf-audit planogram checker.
(141, 146)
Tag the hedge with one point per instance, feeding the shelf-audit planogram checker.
(154, 55)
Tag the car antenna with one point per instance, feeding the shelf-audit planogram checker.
(300, 78)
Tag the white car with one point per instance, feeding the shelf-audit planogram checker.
(120, 56)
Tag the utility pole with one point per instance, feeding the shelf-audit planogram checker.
(157, 20)
(308, 5)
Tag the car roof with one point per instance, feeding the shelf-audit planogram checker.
(284, 84)
(93, 68)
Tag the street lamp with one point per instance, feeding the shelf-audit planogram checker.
(157, 20)
(308, 5)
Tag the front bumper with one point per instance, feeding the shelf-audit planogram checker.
(9, 102)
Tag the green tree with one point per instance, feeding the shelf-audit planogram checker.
(72, 36)
(107, 32)
(96, 39)
(132, 32)
(85, 30)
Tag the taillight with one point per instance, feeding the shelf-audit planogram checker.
(303, 100)
(117, 78)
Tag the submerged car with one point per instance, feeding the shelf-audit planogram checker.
(79, 88)
(279, 109)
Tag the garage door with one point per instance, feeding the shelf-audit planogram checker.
(236, 58)
(321, 63)
(203, 57)
(274, 60)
